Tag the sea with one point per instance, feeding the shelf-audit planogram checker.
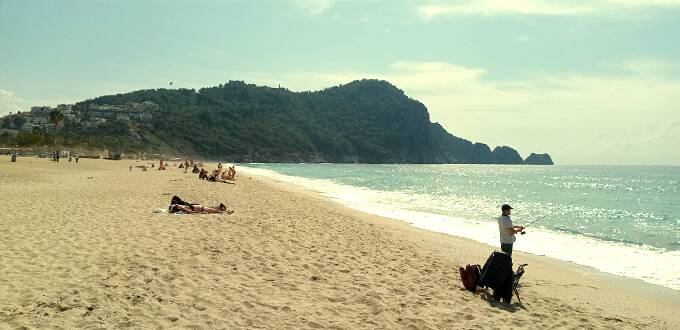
(623, 220)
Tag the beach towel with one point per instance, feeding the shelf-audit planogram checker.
(165, 210)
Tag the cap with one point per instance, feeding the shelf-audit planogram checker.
(506, 207)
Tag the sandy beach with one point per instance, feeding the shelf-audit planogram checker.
(80, 247)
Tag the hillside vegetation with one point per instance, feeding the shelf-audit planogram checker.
(368, 121)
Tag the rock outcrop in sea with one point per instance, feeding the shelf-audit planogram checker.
(538, 159)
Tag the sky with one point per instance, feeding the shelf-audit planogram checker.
(589, 82)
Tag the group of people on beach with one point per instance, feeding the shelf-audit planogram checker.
(188, 162)
(218, 174)
(56, 156)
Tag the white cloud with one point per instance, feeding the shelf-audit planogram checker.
(495, 7)
(10, 103)
(536, 7)
(644, 3)
(576, 117)
(648, 65)
(313, 7)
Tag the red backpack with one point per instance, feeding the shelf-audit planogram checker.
(469, 276)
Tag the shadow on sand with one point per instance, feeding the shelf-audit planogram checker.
(512, 307)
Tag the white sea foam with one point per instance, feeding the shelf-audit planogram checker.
(649, 264)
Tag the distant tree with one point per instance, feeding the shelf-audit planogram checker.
(7, 139)
(56, 117)
(19, 122)
(30, 138)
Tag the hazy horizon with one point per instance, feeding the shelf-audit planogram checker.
(589, 82)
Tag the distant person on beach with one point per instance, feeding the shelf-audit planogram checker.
(77, 157)
(229, 175)
(507, 229)
(213, 176)
(186, 165)
(218, 172)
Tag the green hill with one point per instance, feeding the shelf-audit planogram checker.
(369, 121)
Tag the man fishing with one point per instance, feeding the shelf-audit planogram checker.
(507, 230)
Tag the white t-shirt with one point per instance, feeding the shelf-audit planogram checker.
(505, 223)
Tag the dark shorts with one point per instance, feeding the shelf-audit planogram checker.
(507, 248)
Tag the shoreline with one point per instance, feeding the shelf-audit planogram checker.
(623, 282)
(649, 261)
(83, 248)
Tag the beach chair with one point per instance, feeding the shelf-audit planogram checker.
(515, 280)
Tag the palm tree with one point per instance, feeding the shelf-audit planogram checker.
(56, 117)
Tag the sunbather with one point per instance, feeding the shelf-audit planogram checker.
(178, 205)
(232, 172)
(229, 175)
(199, 209)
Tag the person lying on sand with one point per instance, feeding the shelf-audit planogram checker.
(199, 209)
(178, 205)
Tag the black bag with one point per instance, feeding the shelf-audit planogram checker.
(497, 274)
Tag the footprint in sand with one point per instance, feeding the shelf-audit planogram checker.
(314, 325)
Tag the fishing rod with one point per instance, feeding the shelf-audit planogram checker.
(536, 220)
(545, 216)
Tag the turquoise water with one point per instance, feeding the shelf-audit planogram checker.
(589, 214)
